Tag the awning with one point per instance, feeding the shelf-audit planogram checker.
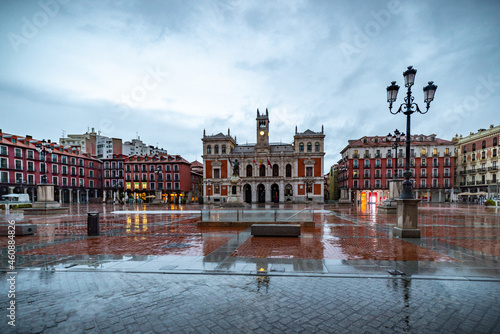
(465, 194)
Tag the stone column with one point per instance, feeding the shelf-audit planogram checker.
(407, 223)
(87, 195)
(78, 196)
(104, 196)
(440, 195)
(282, 192)
(60, 196)
(70, 196)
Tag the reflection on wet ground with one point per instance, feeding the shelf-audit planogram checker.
(457, 241)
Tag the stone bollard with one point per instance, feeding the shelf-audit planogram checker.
(92, 223)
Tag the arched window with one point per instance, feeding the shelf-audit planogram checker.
(309, 147)
(301, 147)
(316, 147)
(249, 170)
(473, 147)
(288, 190)
(483, 145)
(495, 141)
(216, 149)
(276, 171)
(223, 149)
(288, 170)
(209, 149)
(262, 170)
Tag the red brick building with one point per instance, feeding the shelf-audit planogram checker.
(76, 176)
(368, 164)
(171, 174)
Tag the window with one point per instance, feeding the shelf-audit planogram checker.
(176, 177)
(223, 149)
(473, 147)
(377, 163)
(494, 152)
(65, 181)
(54, 169)
(4, 150)
(422, 183)
(288, 190)
(367, 163)
(73, 182)
(309, 171)
(483, 155)
(495, 141)
(4, 163)
(276, 170)
(19, 164)
(301, 147)
(209, 149)
(31, 178)
(262, 171)
(91, 183)
(355, 163)
(216, 173)
(216, 149)
(367, 183)
(447, 183)
(355, 184)
(169, 177)
(4, 177)
(309, 187)
(169, 186)
(54, 157)
(249, 170)
(389, 162)
(434, 151)
(31, 155)
(367, 174)
(177, 186)
(18, 153)
(483, 144)
(447, 151)
(168, 168)
(19, 177)
(316, 147)
(423, 152)
(309, 147)
(288, 170)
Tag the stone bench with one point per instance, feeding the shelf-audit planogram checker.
(21, 229)
(275, 230)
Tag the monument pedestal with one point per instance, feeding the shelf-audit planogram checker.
(390, 205)
(45, 204)
(344, 197)
(234, 198)
(158, 198)
(407, 223)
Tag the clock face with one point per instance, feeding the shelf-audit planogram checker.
(261, 133)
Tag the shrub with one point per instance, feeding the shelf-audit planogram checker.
(489, 202)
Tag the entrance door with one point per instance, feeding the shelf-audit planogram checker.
(275, 193)
(248, 193)
(261, 190)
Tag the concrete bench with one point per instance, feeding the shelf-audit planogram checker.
(21, 229)
(275, 230)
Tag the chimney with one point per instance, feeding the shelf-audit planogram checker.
(29, 137)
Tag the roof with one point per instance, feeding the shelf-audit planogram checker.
(196, 163)
(156, 158)
(27, 142)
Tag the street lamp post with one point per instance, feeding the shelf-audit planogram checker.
(408, 108)
(44, 149)
(396, 138)
(158, 192)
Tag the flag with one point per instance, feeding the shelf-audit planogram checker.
(269, 163)
(255, 162)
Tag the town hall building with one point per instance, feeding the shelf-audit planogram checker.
(265, 172)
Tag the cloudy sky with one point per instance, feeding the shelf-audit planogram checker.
(167, 70)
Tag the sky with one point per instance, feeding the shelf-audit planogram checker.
(168, 70)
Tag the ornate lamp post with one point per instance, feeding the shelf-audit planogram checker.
(408, 108)
(158, 191)
(44, 149)
(396, 138)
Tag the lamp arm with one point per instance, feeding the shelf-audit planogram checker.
(397, 112)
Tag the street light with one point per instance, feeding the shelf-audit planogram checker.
(396, 138)
(44, 149)
(158, 173)
(409, 108)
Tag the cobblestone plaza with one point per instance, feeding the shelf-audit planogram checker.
(155, 270)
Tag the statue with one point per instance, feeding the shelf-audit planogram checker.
(236, 167)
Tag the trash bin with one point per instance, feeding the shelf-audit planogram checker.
(92, 223)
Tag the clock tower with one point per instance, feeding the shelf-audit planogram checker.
(262, 130)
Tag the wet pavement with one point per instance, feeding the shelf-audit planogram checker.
(335, 276)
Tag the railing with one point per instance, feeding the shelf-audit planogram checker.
(471, 183)
(493, 168)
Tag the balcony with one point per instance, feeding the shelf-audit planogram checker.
(462, 172)
(366, 166)
(423, 165)
(447, 164)
(366, 155)
(355, 166)
(471, 183)
(471, 171)
(435, 164)
(355, 176)
(447, 175)
(435, 154)
(491, 181)
(435, 175)
(378, 176)
(482, 170)
(423, 175)
(355, 156)
(494, 168)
